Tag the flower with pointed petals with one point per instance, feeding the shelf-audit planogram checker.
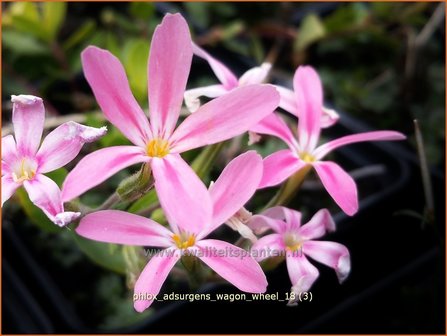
(298, 242)
(228, 79)
(190, 223)
(157, 142)
(24, 163)
(303, 151)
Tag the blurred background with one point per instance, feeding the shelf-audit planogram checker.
(381, 63)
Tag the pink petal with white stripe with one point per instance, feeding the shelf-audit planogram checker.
(9, 150)
(225, 117)
(274, 125)
(291, 217)
(234, 265)
(268, 246)
(97, 167)
(107, 78)
(331, 254)
(225, 76)
(8, 187)
(192, 100)
(339, 185)
(301, 272)
(323, 150)
(235, 186)
(309, 97)
(260, 224)
(168, 70)
(119, 227)
(64, 143)
(256, 75)
(319, 225)
(183, 196)
(153, 276)
(279, 166)
(28, 115)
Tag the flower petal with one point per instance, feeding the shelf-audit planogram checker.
(45, 194)
(225, 76)
(107, 78)
(279, 166)
(331, 254)
(302, 274)
(274, 125)
(339, 185)
(9, 149)
(98, 167)
(233, 264)
(260, 224)
(119, 227)
(192, 100)
(329, 117)
(321, 151)
(235, 186)
(268, 246)
(225, 117)
(183, 196)
(291, 217)
(8, 187)
(152, 278)
(28, 115)
(169, 65)
(320, 223)
(256, 75)
(287, 100)
(309, 96)
(64, 143)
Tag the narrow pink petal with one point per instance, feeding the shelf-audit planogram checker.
(321, 151)
(301, 272)
(28, 115)
(168, 69)
(152, 278)
(256, 75)
(279, 166)
(64, 143)
(329, 117)
(233, 264)
(339, 185)
(45, 194)
(97, 167)
(225, 76)
(235, 186)
(331, 254)
(225, 117)
(268, 246)
(274, 125)
(109, 83)
(9, 150)
(119, 227)
(309, 97)
(183, 196)
(8, 187)
(192, 100)
(319, 225)
(287, 100)
(260, 224)
(291, 217)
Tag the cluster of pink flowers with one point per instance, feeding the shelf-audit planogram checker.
(192, 210)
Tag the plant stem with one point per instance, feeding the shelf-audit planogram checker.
(109, 203)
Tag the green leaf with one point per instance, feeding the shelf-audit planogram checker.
(81, 34)
(203, 163)
(135, 56)
(23, 44)
(36, 215)
(311, 30)
(142, 10)
(53, 16)
(109, 256)
(199, 12)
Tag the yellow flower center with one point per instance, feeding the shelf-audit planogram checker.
(24, 170)
(307, 157)
(157, 148)
(184, 240)
(292, 241)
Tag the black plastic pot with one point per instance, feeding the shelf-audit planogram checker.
(389, 253)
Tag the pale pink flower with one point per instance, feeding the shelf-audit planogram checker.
(297, 242)
(228, 79)
(303, 150)
(24, 163)
(190, 223)
(157, 142)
